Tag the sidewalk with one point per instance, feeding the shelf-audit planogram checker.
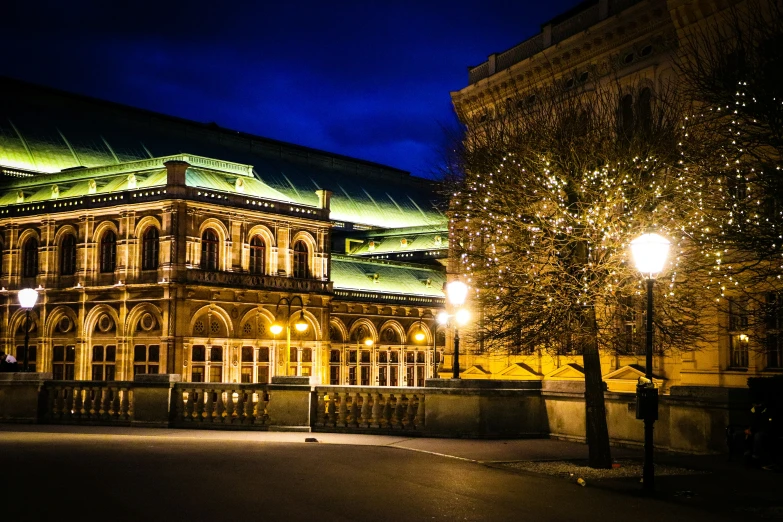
(720, 487)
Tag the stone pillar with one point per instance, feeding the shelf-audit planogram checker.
(152, 394)
(290, 403)
(20, 396)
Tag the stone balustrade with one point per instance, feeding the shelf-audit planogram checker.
(220, 405)
(353, 408)
(87, 402)
(691, 419)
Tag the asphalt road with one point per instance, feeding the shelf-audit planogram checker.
(113, 476)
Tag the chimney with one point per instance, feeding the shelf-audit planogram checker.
(175, 173)
(324, 198)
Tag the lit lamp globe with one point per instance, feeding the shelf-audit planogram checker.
(443, 318)
(462, 317)
(368, 342)
(276, 328)
(419, 336)
(649, 253)
(457, 292)
(27, 298)
(301, 324)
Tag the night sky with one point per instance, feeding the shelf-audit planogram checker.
(366, 79)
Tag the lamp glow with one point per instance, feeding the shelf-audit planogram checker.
(276, 329)
(368, 342)
(462, 316)
(457, 291)
(443, 318)
(649, 253)
(301, 324)
(419, 336)
(27, 298)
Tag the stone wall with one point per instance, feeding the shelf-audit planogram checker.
(691, 419)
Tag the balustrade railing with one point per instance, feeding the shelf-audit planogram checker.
(369, 408)
(81, 402)
(241, 405)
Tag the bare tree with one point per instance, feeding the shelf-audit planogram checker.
(552, 185)
(731, 67)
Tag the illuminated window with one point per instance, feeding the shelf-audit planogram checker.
(738, 334)
(209, 250)
(68, 255)
(257, 253)
(108, 252)
(149, 249)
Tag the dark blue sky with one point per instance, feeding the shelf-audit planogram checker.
(368, 79)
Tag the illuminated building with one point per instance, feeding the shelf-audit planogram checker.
(160, 245)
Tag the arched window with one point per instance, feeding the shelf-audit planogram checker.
(301, 269)
(626, 116)
(108, 252)
(209, 250)
(68, 255)
(644, 111)
(149, 249)
(30, 258)
(257, 253)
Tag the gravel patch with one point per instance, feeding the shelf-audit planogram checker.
(576, 470)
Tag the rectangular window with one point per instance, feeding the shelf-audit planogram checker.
(365, 373)
(146, 359)
(352, 375)
(63, 362)
(32, 356)
(774, 326)
(247, 374)
(197, 374)
(334, 375)
(263, 355)
(103, 363)
(738, 336)
(382, 376)
(263, 374)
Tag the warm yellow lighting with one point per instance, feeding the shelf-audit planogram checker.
(443, 318)
(301, 324)
(462, 316)
(457, 291)
(649, 253)
(276, 329)
(743, 338)
(419, 336)
(368, 342)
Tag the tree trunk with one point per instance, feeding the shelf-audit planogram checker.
(595, 422)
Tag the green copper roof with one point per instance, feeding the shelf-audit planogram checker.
(386, 277)
(232, 178)
(44, 130)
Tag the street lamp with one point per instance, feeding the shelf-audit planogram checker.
(300, 324)
(457, 291)
(27, 299)
(649, 254)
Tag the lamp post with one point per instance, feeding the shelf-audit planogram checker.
(456, 292)
(300, 325)
(27, 299)
(649, 254)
